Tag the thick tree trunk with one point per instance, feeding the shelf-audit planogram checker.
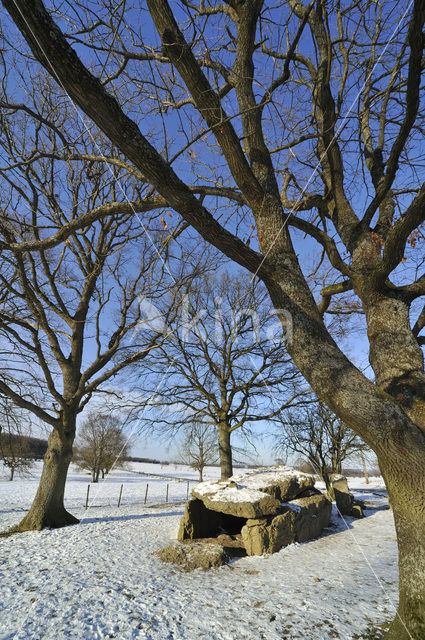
(201, 462)
(391, 421)
(47, 509)
(409, 623)
(12, 473)
(225, 451)
(327, 480)
(406, 487)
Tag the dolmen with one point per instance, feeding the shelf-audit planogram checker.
(261, 511)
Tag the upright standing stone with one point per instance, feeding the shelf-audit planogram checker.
(343, 497)
(198, 522)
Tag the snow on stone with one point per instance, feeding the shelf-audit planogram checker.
(294, 506)
(245, 487)
(257, 478)
(226, 491)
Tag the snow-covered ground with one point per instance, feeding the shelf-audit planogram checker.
(19, 494)
(101, 578)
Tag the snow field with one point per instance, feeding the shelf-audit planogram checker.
(101, 579)
(18, 495)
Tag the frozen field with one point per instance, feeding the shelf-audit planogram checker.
(17, 495)
(101, 579)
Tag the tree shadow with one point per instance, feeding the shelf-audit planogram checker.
(380, 507)
(123, 518)
(375, 492)
(17, 510)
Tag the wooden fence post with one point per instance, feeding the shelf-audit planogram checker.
(119, 499)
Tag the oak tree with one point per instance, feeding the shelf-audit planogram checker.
(67, 312)
(199, 447)
(223, 364)
(308, 120)
(321, 438)
(101, 444)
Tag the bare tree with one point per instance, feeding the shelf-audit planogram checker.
(321, 438)
(199, 447)
(301, 464)
(101, 444)
(310, 118)
(68, 312)
(223, 364)
(15, 453)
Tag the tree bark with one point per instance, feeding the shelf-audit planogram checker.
(47, 509)
(225, 451)
(12, 473)
(394, 428)
(327, 480)
(405, 482)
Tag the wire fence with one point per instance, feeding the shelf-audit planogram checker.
(156, 491)
(115, 491)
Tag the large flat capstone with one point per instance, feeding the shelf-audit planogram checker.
(236, 500)
(254, 494)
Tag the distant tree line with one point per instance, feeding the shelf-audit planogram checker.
(18, 451)
(149, 460)
(35, 447)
